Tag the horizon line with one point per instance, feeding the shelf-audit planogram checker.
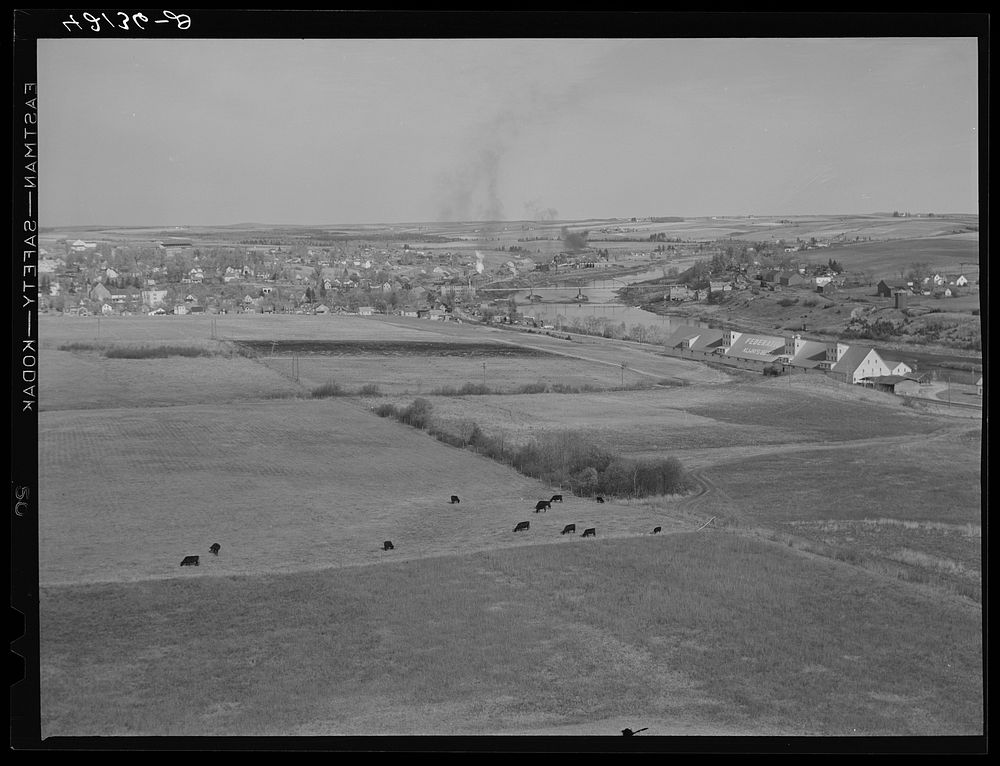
(930, 214)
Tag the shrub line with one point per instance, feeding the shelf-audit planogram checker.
(564, 459)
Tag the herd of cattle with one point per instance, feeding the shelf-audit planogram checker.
(521, 526)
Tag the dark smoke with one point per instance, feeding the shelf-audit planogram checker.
(472, 190)
(574, 240)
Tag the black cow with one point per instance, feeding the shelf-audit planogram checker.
(454, 499)
(556, 499)
(215, 549)
(656, 530)
(521, 525)
(542, 505)
(589, 532)
(387, 545)
(568, 528)
(600, 499)
(190, 561)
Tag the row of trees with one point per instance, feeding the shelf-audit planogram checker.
(562, 459)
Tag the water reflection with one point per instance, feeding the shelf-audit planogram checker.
(598, 299)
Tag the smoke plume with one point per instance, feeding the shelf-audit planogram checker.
(574, 240)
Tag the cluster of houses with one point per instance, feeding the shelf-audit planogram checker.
(938, 285)
(850, 363)
(769, 279)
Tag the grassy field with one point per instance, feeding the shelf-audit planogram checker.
(282, 486)
(71, 380)
(57, 330)
(835, 594)
(702, 633)
(811, 458)
(702, 420)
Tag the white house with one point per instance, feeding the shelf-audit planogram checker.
(900, 368)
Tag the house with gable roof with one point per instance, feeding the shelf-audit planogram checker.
(853, 364)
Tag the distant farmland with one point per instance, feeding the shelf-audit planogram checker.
(888, 258)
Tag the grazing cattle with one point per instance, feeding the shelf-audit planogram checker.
(656, 530)
(556, 499)
(215, 549)
(568, 528)
(454, 499)
(190, 561)
(521, 525)
(590, 532)
(600, 499)
(542, 505)
(387, 545)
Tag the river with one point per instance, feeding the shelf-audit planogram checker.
(602, 303)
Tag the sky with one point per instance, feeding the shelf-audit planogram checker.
(187, 132)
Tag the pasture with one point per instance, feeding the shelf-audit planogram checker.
(79, 380)
(57, 330)
(795, 455)
(694, 633)
(500, 368)
(282, 485)
(835, 593)
(698, 420)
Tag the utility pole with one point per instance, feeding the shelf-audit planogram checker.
(484, 374)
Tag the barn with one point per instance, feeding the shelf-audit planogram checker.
(895, 384)
(855, 364)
